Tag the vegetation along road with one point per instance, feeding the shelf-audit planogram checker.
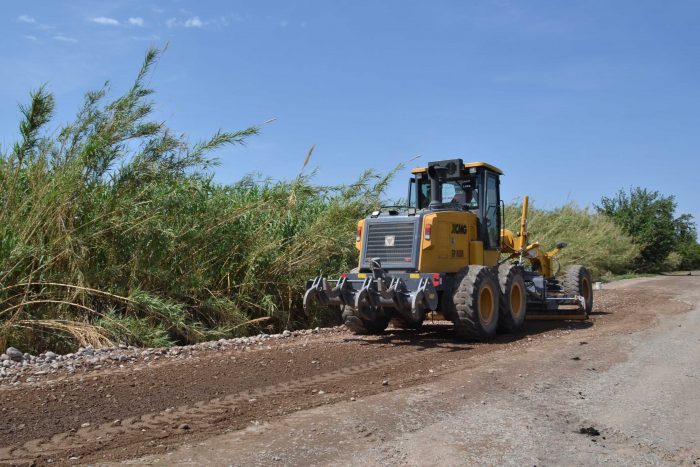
(620, 388)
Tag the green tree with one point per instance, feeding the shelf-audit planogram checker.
(687, 247)
(649, 218)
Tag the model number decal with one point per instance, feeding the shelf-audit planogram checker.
(458, 253)
(459, 229)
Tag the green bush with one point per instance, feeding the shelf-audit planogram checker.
(650, 219)
(689, 253)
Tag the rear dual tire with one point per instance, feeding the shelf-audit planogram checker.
(513, 300)
(476, 303)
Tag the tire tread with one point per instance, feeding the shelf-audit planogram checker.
(572, 282)
(465, 298)
(506, 276)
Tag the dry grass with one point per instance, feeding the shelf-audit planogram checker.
(592, 239)
(114, 231)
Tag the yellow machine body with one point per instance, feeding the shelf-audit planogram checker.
(451, 245)
(412, 259)
(516, 245)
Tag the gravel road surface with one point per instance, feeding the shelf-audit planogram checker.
(621, 388)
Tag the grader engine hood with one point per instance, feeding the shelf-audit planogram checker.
(394, 239)
(427, 241)
(387, 277)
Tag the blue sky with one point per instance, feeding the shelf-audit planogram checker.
(573, 100)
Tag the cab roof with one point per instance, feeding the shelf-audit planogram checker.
(467, 165)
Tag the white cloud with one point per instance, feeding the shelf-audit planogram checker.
(191, 22)
(26, 19)
(194, 22)
(138, 21)
(62, 38)
(31, 38)
(152, 37)
(105, 21)
(31, 20)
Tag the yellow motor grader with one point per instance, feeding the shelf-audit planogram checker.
(445, 255)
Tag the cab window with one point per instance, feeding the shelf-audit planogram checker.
(412, 194)
(451, 193)
(491, 216)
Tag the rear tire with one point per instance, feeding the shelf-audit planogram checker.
(577, 281)
(476, 298)
(513, 302)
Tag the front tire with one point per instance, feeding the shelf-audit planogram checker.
(513, 300)
(577, 281)
(358, 323)
(476, 298)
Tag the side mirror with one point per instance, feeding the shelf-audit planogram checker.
(560, 245)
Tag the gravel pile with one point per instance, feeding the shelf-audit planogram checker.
(15, 364)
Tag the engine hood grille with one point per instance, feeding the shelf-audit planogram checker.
(393, 241)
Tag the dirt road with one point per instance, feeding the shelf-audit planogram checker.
(630, 374)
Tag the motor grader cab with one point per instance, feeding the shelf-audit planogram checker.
(446, 255)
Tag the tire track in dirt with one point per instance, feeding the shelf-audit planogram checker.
(155, 425)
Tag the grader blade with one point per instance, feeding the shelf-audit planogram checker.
(549, 300)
